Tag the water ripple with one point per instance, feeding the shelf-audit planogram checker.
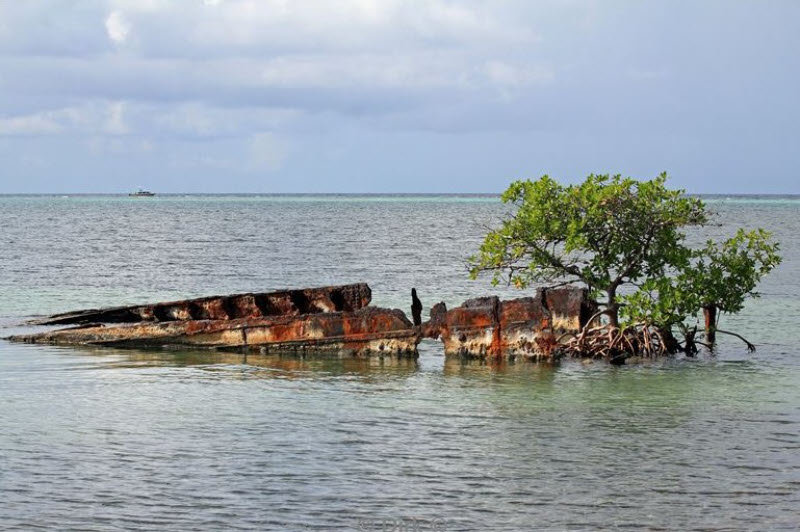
(96, 439)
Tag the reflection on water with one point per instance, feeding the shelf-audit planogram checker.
(288, 362)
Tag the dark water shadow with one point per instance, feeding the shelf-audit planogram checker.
(470, 367)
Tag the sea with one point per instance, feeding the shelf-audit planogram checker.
(107, 439)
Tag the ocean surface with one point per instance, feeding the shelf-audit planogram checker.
(101, 439)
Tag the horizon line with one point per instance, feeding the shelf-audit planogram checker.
(484, 194)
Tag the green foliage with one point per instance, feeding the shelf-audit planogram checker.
(719, 275)
(725, 275)
(660, 301)
(610, 232)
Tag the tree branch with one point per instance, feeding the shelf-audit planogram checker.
(750, 347)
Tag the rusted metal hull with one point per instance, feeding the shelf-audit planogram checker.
(344, 298)
(365, 331)
(333, 319)
(527, 327)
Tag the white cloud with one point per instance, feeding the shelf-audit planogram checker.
(100, 146)
(89, 118)
(415, 70)
(513, 76)
(117, 27)
(197, 120)
(236, 68)
(35, 124)
(267, 152)
(115, 121)
(253, 27)
(246, 83)
(145, 5)
(219, 48)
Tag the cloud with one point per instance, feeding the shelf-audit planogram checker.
(118, 27)
(410, 71)
(99, 145)
(198, 121)
(115, 123)
(249, 85)
(353, 57)
(35, 124)
(504, 74)
(90, 118)
(267, 152)
(253, 28)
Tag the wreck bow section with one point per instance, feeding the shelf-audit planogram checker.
(362, 332)
(528, 327)
(343, 298)
(328, 320)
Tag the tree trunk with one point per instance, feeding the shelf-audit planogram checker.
(613, 308)
(670, 342)
(710, 314)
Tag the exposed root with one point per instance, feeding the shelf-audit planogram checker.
(615, 344)
(750, 347)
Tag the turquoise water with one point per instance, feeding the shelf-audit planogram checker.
(130, 440)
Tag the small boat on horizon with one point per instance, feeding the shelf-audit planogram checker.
(142, 193)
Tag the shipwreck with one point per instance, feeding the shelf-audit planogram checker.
(336, 320)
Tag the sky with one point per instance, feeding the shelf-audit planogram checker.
(396, 96)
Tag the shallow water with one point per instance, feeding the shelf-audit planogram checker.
(98, 439)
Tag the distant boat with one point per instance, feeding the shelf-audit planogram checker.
(142, 193)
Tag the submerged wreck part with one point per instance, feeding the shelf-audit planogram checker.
(344, 298)
(365, 331)
(528, 327)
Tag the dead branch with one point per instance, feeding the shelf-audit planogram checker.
(750, 347)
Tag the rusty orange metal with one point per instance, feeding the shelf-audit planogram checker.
(341, 298)
(526, 327)
(332, 319)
